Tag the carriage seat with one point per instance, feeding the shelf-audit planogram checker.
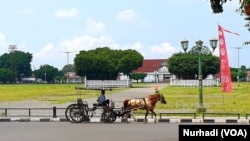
(98, 104)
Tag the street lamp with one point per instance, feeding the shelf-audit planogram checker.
(184, 44)
(199, 46)
(68, 64)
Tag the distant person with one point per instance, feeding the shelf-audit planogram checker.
(156, 89)
(102, 99)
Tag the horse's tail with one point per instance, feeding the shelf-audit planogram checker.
(125, 104)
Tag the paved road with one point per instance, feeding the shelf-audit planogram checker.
(65, 131)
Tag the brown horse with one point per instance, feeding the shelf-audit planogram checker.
(147, 103)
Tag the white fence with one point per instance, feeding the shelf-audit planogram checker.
(95, 84)
(193, 83)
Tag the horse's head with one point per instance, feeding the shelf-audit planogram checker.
(162, 99)
(157, 97)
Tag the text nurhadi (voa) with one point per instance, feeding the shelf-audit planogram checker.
(216, 132)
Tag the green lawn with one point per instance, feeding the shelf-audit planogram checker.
(178, 98)
(187, 99)
(55, 93)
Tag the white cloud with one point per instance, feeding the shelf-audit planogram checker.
(66, 13)
(3, 44)
(27, 10)
(79, 43)
(162, 48)
(45, 50)
(136, 46)
(126, 16)
(94, 27)
(160, 51)
(87, 42)
(2, 38)
(47, 55)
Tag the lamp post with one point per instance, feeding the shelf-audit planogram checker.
(68, 64)
(199, 46)
(12, 49)
(45, 73)
(238, 76)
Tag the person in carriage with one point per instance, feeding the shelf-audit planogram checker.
(102, 99)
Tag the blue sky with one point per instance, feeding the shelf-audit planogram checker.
(154, 28)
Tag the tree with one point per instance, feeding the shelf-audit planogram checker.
(242, 72)
(7, 75)
(60, 76)
(47, 73)
(18, 62)
(93, 65)
(130, 60)
(217, 7)
(68, 68)
(138, 76)
(106, 64)
(247, 25)
(185, 65)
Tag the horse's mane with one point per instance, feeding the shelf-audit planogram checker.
(156, 95)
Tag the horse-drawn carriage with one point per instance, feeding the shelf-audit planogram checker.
(80, 111)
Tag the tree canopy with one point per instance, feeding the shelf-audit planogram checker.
(138, 76)
(18, 62)
(185, 65)
(105, 63)
(239, 72)
(47, 73)
(6, 75)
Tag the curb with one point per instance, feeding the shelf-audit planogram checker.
(96, 120)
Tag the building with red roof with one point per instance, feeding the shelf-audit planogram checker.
(156, 70)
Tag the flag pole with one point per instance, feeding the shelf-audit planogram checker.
(223, 102)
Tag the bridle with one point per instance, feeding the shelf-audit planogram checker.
(161, 98)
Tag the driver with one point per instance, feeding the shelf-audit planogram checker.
(102, 99)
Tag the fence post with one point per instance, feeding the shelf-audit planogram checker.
(54, 112)
(5, 112)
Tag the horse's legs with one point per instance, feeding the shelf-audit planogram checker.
(153, 112)
(132, 114)
(145, 118)
(126, 118)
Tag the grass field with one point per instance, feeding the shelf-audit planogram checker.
(187, 99)
(178, 98)
(54, 93)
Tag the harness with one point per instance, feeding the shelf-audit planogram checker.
(145, 104)
(143, 100)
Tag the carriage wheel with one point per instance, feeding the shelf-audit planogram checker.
(77, 113)
(74, 113)
(108, 116)
(67, 112)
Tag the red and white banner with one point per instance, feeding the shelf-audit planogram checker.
(225, 73)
